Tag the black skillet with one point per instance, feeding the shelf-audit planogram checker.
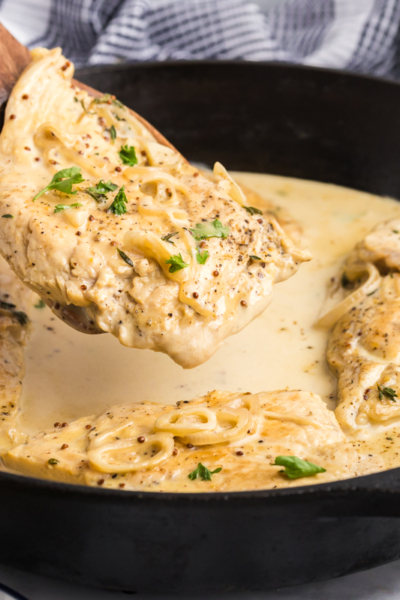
(302, 122)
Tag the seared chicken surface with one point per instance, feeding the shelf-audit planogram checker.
(145, 246)
(364, 347)
(237, 437)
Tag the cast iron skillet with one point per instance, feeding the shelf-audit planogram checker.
(310, 123)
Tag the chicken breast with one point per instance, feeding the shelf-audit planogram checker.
(118, 233)
(235, 437)
(16, 302)
(364, 347)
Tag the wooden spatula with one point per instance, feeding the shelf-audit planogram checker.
(14, 57)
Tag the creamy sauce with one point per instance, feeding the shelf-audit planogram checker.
(69, 375)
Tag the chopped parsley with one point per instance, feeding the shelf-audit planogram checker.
(177, 263)
(100, 190)
(210, 229)
(201, 257)
(118, 207)
(61, 207)
(128, 155)
(395, 231)
(388, 392)
(63, 181)
(254, 257)
(125, 257)
(40, 304)
(295, 467)
(371, 293)
(113, 133)
(253, 211)
(21, 317)
(7, 216)
(167, 238)
(53, 461)
(108, 99)
(203, 473)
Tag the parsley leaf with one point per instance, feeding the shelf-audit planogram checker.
(128, 155)
(118, 207)
(295, 467)
(254, 257)
(125, 257)
(40, 304)
(7, 216)
(210, 229)
(113, 133)
(203, 473)
(108, 99)
(201, 257)
(63, 181)
(167, 238)
(53, 461)
(61, 207)
(177, 263)
(253, 211)
(388, 392)
(100, 190)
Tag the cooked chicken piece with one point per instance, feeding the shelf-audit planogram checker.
(16, 302)
(364, 347)
(236, 437)
(133, 241)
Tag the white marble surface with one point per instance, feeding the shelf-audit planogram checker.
(382, 583)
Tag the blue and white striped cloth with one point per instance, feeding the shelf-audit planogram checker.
(359, 35)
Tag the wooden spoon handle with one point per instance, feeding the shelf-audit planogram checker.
(14, 58)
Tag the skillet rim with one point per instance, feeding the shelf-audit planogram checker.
(350, 485)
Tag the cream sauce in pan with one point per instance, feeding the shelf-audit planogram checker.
(70, 375)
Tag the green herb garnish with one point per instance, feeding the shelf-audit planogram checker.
(99, 192)
(253, 211)
(113, 133)
(370, 294)
(201, 257)
(108, 99)
(125, 257)
(203, 473)
(128, 155)
(295, 467)
(40, 304)
(210, 229)
(177, 263)
(118, 207)
(53, 461)
(254, 257)
(388, 392)
(395, 231)
(61, 207)
(7, 216)
(167, 238)
(63, 181)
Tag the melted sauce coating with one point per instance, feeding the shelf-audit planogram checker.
(69, 375)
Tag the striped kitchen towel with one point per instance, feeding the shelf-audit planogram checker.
(359, 35)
